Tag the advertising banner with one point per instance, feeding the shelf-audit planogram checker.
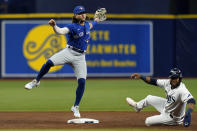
(116, 48)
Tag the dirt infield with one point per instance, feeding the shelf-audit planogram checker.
(58, 120)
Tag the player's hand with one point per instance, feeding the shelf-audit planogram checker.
(52, 22)
(187, 119)
(135, 76)
(97, 20)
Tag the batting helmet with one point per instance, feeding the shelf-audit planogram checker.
(78, 10)
(175, 73)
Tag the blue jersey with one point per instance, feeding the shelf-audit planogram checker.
(79, 35)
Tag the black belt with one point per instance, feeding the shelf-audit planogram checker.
(173, 116)
(76, 49)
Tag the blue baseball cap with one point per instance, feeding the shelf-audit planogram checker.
(78, 10)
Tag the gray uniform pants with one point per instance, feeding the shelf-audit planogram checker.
(73, 58)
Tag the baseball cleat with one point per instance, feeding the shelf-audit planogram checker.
(75, 110)
(32, 84)
(132, 103)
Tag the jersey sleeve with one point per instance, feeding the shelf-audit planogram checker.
(60, 31)
(162, 83)
(185, 95)
(94, 23)
(70, 27)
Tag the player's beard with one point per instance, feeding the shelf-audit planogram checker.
(81, 21)
(173, 86)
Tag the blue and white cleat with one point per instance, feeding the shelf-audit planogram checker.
(32, 84)
(75, 110)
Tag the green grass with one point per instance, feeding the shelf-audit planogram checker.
(59, 95)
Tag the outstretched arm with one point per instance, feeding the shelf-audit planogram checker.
(191, 104)
(100, 15)
(93, 24)
(58, 30)
(146, 79)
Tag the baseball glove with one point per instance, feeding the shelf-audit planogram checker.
(100, 14)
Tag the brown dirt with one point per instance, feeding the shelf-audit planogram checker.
(58, 120)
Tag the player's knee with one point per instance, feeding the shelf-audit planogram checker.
(148, 96)
(49, 63)
(81, 82)
(147, 122)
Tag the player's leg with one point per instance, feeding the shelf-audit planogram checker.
(45, 68)
(57, 59)
(163, 118)
(79, 94)
(80, 70)
(79, 91)
(157, 102)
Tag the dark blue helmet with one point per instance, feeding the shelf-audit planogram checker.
(175, 73)
(78, 10)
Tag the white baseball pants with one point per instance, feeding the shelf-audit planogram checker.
(158, 103)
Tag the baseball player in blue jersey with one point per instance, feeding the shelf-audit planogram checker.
(78, 34)
(172, 109)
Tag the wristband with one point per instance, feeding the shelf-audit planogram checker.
(143, 77)
(94, 23)
(189, 111)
